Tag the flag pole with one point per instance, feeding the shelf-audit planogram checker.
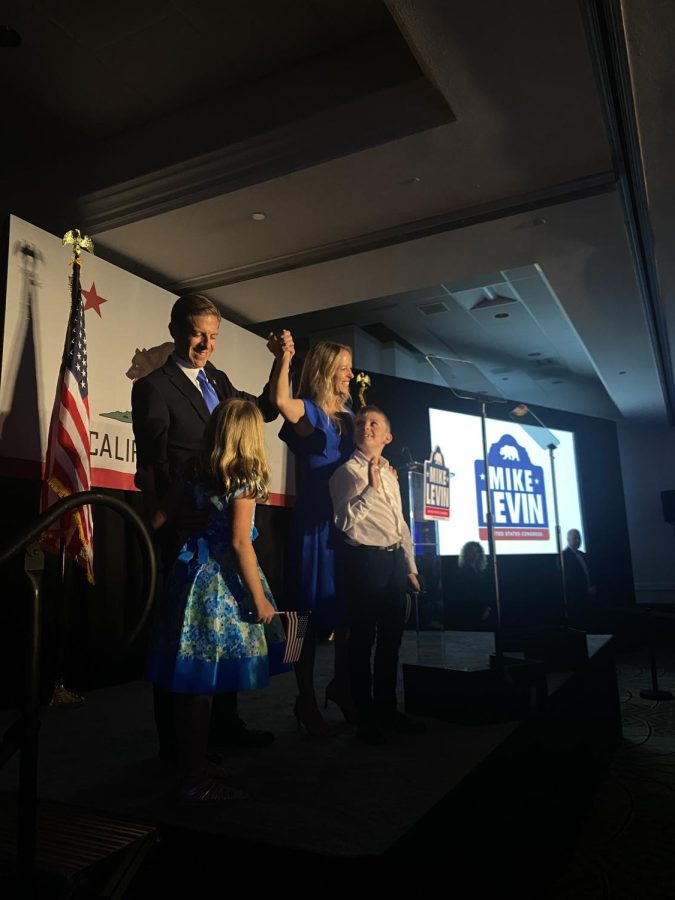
(61, 695)
(67, 464)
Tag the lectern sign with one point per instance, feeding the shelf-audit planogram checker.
(436, 487)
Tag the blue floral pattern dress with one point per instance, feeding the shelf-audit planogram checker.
(206, 639)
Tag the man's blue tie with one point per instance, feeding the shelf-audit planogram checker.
(207, 389)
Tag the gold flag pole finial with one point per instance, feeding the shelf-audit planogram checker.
(79, 242)
(363, 382)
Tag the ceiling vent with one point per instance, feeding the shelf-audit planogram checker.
(547, 367)
(492, 302)
(546, 362)
(433, 309)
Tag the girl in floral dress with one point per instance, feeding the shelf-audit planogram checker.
(217, 629)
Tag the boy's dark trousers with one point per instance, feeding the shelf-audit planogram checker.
(376, 582)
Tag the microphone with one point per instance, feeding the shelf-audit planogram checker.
(409, 461)
(532, 424)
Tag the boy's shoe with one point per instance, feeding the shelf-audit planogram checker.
(402, 724)
(371, 733)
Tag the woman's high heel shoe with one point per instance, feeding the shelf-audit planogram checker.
(342, 700)
(307, 716)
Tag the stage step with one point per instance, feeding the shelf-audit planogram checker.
(77, 846)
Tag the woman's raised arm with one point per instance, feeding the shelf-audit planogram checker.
(291, 408)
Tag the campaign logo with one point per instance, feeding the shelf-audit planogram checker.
(436, 487)
(517, 493)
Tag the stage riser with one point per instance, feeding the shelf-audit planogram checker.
(561, 650)
(466, 697)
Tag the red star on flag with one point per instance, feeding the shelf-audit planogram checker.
(93, 299)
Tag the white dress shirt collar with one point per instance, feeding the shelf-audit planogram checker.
(189, 371)
(364, 460)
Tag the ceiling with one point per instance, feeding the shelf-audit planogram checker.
(477, 195)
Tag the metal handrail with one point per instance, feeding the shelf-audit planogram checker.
(23, 734)
(92, 498)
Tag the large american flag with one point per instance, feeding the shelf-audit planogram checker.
(67, 466)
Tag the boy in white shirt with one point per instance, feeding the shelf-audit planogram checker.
(379, 569)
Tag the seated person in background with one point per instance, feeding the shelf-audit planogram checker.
(579, 586)
(379, 569)
(472, 596)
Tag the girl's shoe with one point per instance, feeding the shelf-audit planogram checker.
(208, 790)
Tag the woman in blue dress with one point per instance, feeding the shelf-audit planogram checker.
(217, 629)
(318, 430)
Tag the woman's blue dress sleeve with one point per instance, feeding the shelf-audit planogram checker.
(313, 444)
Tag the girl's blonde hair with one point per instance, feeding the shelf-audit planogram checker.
(233, 451)
(317, 381)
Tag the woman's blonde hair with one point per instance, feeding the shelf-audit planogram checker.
(233, 452)
(317, 381)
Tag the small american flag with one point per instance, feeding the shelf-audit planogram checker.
(67, 466)
(296, 625)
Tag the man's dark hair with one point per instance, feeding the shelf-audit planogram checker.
(191, 305)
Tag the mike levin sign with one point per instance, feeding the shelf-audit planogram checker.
(517, 493)
(520, 481)
(436, 487)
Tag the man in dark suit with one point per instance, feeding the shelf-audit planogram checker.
(170, 409)
(578, 584)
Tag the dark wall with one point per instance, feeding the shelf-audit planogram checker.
(530, 585)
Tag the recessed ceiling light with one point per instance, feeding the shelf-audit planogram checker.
(539, 221)
(501, 315)
(559, 381)
(534, 354)
(415, 179)
(505, 378)
(622, 372)
(258, 216)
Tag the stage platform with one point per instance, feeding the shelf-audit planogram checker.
(340, 801)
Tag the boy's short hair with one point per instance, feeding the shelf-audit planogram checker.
(366, 410)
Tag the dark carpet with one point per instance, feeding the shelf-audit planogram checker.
(626, 845)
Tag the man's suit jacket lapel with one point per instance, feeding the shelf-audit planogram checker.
(191, 393)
